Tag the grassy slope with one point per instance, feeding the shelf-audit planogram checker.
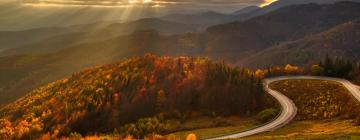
(312, 108)
(314, 130)
(235, 124)
(318, 99)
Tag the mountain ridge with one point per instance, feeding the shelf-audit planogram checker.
(340, 41)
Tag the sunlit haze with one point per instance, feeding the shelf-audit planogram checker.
(221, 6)
(95, 4)
(72, 12)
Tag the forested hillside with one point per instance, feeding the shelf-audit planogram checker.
(341, 41)
(52, 39)
(101, 99)
(21, 73)
(285, 24)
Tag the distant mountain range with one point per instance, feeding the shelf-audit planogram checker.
(211, 18)
(246, 10)
(297, 33)
(14, 17)
(48, 37)
(283, 3)
(341, 41)
(286, 24)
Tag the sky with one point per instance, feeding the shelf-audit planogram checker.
(168, 5)
(26, 14)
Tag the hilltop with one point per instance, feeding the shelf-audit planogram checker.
(105, 98)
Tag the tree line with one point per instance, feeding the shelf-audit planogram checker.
(330, 67)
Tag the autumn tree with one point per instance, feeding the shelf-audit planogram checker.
(261, 73)
(317, 70)
(6, 129)
(161, 100)
(289, 69)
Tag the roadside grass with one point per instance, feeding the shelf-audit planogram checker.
(202, 126)
(232, 125)
(208, 127)
(314, 130)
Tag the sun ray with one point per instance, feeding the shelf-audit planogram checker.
(267, 2)
(96, 3)
(147, 1)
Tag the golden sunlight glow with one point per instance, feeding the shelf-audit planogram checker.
(97, 3)
(133, 1)
(147, 1)
(267, 2)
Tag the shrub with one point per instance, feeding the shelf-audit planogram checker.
(267, 115)
(219, 121)
(144, 127)
(75, 136)
(317, 70)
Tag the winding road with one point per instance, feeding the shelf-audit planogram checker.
(289, 109)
